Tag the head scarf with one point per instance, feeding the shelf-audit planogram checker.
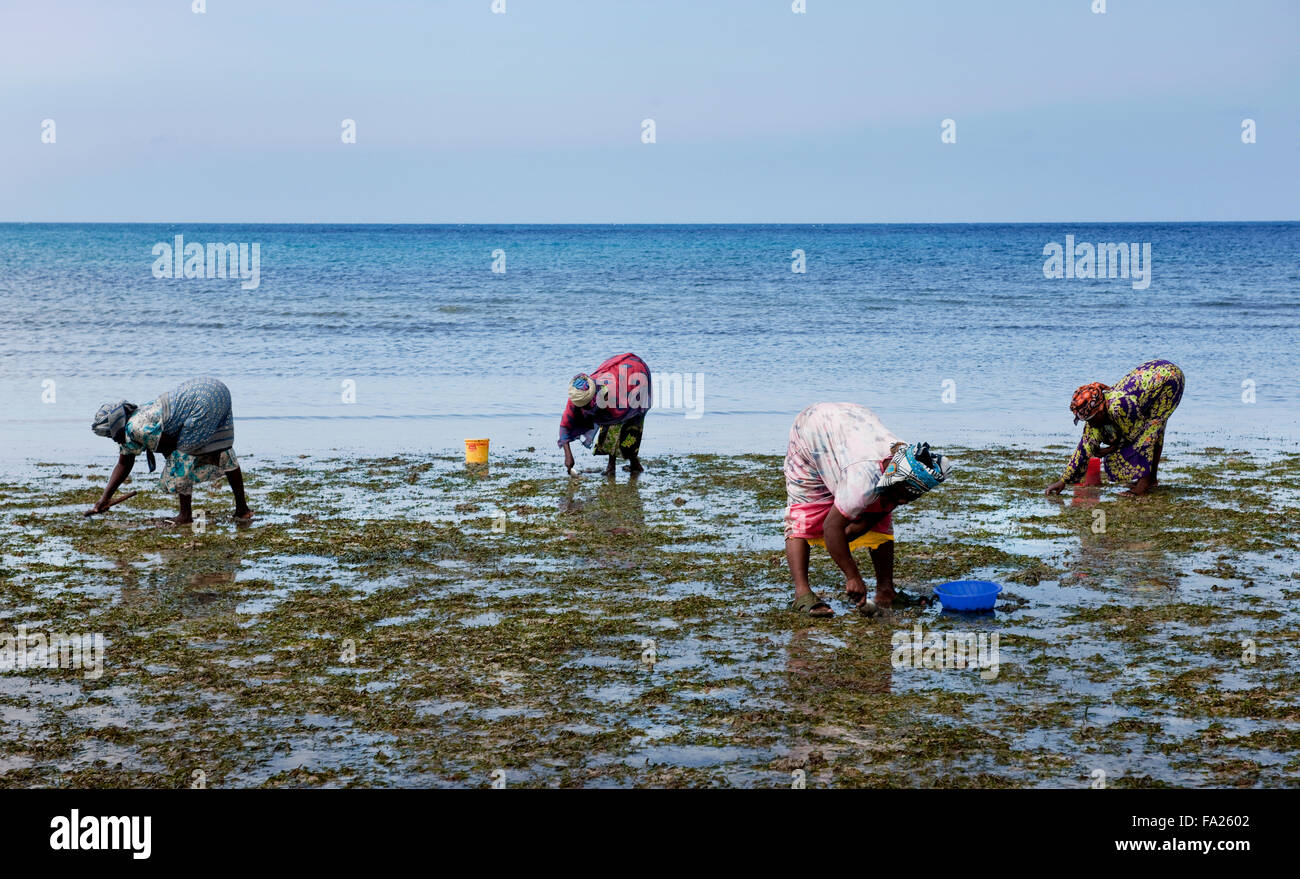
(1088, 401)
(916, 469)
(111, 420)
(582, 389)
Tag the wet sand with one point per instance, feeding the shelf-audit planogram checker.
(407, 621)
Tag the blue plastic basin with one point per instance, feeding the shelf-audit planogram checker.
(968, 594)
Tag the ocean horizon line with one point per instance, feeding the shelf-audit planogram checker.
(650, 224)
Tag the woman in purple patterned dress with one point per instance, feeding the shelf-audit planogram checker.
(1125, 425)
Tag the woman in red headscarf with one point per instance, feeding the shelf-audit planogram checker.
(1125, 425)
(613, 400)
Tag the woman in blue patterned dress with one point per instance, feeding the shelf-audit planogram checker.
(192, 427)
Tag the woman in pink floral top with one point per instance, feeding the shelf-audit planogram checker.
(844, 473)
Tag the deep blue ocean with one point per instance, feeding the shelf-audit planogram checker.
(390, 338)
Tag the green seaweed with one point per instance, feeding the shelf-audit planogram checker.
(409, 621)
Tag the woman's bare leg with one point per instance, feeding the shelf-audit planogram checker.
(882, 559)
(236, 479)
(186, 515)
(796, 555)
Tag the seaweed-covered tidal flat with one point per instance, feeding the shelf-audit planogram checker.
(409, 621)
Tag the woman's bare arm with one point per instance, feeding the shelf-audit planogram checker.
(120, 472)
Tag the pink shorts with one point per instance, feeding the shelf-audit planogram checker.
(806, 520)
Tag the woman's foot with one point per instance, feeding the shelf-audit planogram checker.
(244, 515)
(1139, 488)
(634, 465)
(811, 604)
(609, 468)
(900, 599)
(176, 520)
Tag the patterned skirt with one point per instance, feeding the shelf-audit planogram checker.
(621, 439)
(183, 471)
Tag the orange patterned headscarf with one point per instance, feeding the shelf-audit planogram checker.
(1088, 401)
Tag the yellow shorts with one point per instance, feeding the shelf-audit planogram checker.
(870, 540)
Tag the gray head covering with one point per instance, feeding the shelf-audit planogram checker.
(111, 418)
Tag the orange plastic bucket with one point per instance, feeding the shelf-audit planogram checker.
(476, 451)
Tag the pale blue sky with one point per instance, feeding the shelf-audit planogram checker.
(762, 115)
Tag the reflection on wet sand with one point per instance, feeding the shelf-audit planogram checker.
(195, 581)
(613, 506)
(815, 672)
(1106, 557)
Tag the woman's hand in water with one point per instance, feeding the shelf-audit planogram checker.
(1056, 487)
(568, 460)
(856, 590)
